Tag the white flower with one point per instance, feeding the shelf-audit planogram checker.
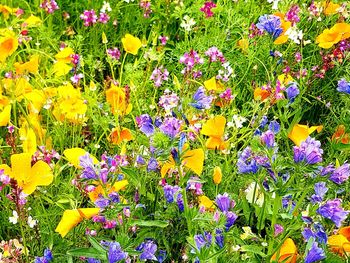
(295, 34)
(128, 1)
(13, 219)
(237, 121)
(258, 197)
(275, 3)
(106, 7)
(31, 222)
(187, 23)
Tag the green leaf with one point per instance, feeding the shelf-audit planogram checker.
(253, 249)
(87, 252)
(153, 223)
(96, 244)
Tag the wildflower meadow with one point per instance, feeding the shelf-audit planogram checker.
(174, 131)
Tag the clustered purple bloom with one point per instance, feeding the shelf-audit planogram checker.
(309, 151)
(343, 86)
(203, 240)
(225, 73)
(171, 192)
(104, 18)
(196, 185)
(171, 126)
(146, 6)
(271, 24)
(215, 54)
(49, 6)
(190, 60)
(159, 75)
(206, 9)
(226, 95)
(292, 14)
(46, 258)
(152, 164)
(318, 233)
(292, 91)
(89, 17)
(202, 101)
(163, 40)
(113, 53)
(89, 170)
(332, 210)
(219, 238)
(341, 174)
(115, 252)
(168, 101)
(268, 139)
(224, 203)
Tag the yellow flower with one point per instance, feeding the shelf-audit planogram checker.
(117, 99)
(73, 155)
(63, 64)
(5, 114)
(213, 84)
(28, 177)
(340, 243)
(31, 66)
(299, 132)
(36, 99)
(8, 45)
(73, 109)
(118, 135)
(330, 8)
(6, 11)
(287, 253)
(330, 37)
(205, 202)
(64, 55)
(32, 21)
(72, 218)
(131, 44)
(285, 25)
(214, 128)
(27, 135)
(107, 189)
(217, 175)
(243, 44)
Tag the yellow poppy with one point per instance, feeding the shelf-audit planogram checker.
(31, 66)
(287, 253)
(73, 155)
(72, 218)
(192, 159)
(131, 44)
(299, 132)
(217, 175)
(213, 84)
(6, 11)
(330, 8)
(32, 21)
(205, 202)
(8, 45)
(215, 128)
(261, 94)
(328, 38)
(243, 44)
(27, 135)
(340, 243)
(5, 115)
(118, 135)
(28, 177)
(116, 97)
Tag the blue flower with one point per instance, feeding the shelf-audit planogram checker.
(320, 190)
(292, 91)
(309, 151)
(333, 211)
(341, 174)
(202, 101)
(86, 162)
(274, 126)
(203, 240)
(219, 238)
(46, 258)
(343, 86)
(115, 253)
(315, 254)
(145, 123)
(223, 202)
(246, 163)
(171, 127)
(271, 24)
(230, 220)
(148, 249)
(102, 202)
(268, 139)
(152, 164)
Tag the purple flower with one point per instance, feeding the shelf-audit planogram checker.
(86, 162)
(246, 163)
(332, 210)
(152, 164)
(215, 54)
(159, 75)
(145, 124)
(315, 254)
(49, 6)
(292, 14)
(171, 127)
(343, 86)
(102, 202)
(146, 6)
(180, 202)
(219, 238)
(271, 24)
(104, 18)
(278, 229)
(327, 170)
(341, 174)
(190, 60)
(320, 190)
(170, 192)
(163, 40)
(231, 218)
(206, 9)
(274, 126)
(46, 258)
(89, 17)
(223, 202)
(114, 196)
(148, 249)
(309, 151)
(168, 101)
(115, 253)
(203, 240)
(93, 260)
(292, 91)
(202, 101)
(113, 53)
(268, 138)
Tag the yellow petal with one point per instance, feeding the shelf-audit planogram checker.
(73, 155)
(338, 244)
(217, 175)
(119, 185)
(8, 45)
(194, 159)
(64, 55)
(5, 115)
(6, 168)
(131, 44)
(214, 127)
(21, 165)
(213, 84)
(287, 253)
(29, 142)
(170, 164)
(60, 68)
(32, 21)
(299, 132)
(206, 202)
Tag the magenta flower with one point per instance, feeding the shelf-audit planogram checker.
(89, 17)
(49, 6)
(206, 9)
